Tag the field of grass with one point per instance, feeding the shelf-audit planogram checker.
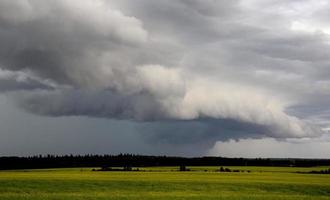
(165, 183)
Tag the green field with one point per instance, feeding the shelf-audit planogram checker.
(165, 183)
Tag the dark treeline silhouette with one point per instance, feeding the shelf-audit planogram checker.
(122, 160)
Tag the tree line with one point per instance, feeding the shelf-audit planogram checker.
(131, 160)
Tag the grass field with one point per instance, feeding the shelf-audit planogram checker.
(164, 183)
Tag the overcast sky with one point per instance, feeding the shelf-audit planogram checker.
(186, 77)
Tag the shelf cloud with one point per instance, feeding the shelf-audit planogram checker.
(192, 72)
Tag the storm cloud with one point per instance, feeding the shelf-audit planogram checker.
(191, 72)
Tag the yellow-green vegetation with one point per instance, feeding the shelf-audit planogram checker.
(165, 183)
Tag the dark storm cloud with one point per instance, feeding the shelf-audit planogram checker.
(91, 103)
(199, 134)
(172, 64)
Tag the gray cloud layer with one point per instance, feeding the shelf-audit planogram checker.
(193, 71)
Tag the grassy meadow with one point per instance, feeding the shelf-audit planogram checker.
(165, 183)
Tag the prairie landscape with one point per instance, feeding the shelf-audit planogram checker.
(165, 183)
(155, 100)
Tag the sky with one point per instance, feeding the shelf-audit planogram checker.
(240, 78)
